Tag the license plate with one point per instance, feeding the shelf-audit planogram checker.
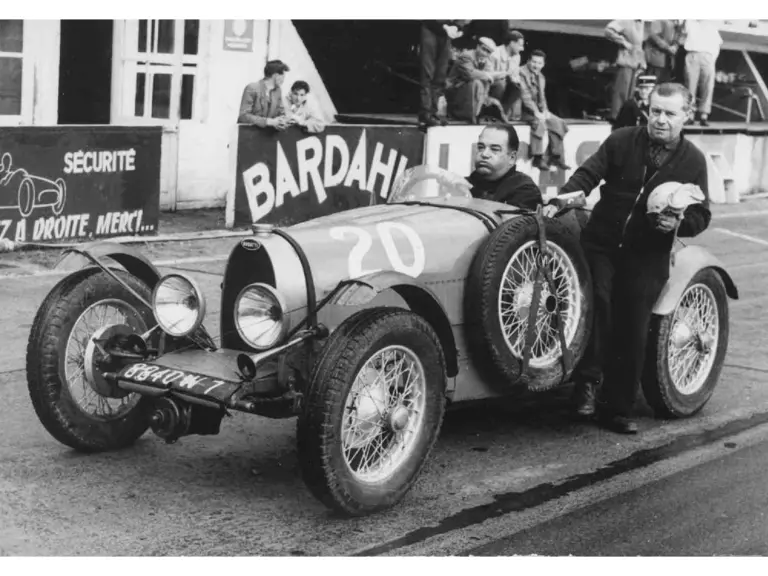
(174, 379)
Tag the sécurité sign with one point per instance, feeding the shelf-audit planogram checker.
(78, 183)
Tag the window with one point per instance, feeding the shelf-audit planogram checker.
(161, 69)
(11, 66)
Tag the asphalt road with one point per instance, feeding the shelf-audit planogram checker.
(240, 493)
(716, 508)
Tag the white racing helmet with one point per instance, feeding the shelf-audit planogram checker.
(673, 197)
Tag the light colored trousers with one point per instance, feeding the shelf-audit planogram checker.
(700, 79)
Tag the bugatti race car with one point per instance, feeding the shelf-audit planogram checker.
(363, 325)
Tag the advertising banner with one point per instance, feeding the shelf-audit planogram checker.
(77, 183)
(289, 177)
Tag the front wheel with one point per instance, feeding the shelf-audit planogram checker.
(76, 404)
(687, 348)
(374, 410)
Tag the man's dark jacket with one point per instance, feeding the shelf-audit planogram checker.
(622, 161)
(513, 188)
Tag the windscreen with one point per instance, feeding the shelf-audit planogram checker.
(428, 183)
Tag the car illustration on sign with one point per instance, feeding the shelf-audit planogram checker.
(25, 192)
(363, 325)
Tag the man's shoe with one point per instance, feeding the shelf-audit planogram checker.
(584, 399)
(619, 424)
(540, 163)
(560, 163)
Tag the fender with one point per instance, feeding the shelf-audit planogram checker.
(132, 260)
(420, 299)
(688, 262)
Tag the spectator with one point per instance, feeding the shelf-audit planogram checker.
(507, 88)
(628, 34)
(302, 110)
(537, 114)
(660, 49)
(495, 176)
(262, 101)
(702, 46)
(635, 110)
(434, 60)
(469, 82)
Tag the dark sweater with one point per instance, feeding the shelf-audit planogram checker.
(622, 161)
(513, 188)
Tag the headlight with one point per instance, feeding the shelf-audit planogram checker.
(260, 316)
(178, 305)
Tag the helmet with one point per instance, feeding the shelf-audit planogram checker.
(673, 197)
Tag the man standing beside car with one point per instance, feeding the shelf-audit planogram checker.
(495, 176)
(629, 251)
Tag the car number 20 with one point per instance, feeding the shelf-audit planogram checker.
(411, 264)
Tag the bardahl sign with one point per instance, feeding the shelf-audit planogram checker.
(289, 177)
(78, 183)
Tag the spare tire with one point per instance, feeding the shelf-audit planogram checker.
(499, 295)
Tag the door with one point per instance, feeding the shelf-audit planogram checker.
(157, 81)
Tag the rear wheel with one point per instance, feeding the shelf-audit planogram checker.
(70, 395)
(687, 348)
(374, 410)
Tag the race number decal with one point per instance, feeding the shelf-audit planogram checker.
(412, 263)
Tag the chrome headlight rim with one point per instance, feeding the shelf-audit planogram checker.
(272, 291)
(195, 290)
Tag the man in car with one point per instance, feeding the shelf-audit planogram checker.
(495, 176)
(629, 251)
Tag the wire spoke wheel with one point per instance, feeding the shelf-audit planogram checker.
(82, 355)
(687, 348)
(374, 410)
(516, 298)
(693, 339)
(383, 413)
(66, 360)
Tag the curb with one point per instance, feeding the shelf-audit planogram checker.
(173, 237)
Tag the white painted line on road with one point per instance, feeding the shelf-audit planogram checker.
(742, 236)
(741, 214)
(158, 263)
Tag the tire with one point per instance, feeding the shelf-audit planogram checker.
(496, 356)
(662, 391)
(49, 389)
(326, 470)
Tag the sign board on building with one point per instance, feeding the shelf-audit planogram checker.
(289, 177)
(238, 35)
(77, 183)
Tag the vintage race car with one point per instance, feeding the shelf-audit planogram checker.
(363, 324)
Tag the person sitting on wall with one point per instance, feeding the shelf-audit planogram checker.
(634, 112)
(301, 110)
(495, 176)
(469, 81)
(537, 114)
(262, 101)
(507, 88)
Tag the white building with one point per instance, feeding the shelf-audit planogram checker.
(186, 75)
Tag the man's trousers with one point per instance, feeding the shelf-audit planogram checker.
(434, 59)
(626, 285)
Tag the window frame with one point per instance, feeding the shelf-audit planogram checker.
(131, 62)
(27, 81)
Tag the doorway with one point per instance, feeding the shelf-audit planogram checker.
(85, 72)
